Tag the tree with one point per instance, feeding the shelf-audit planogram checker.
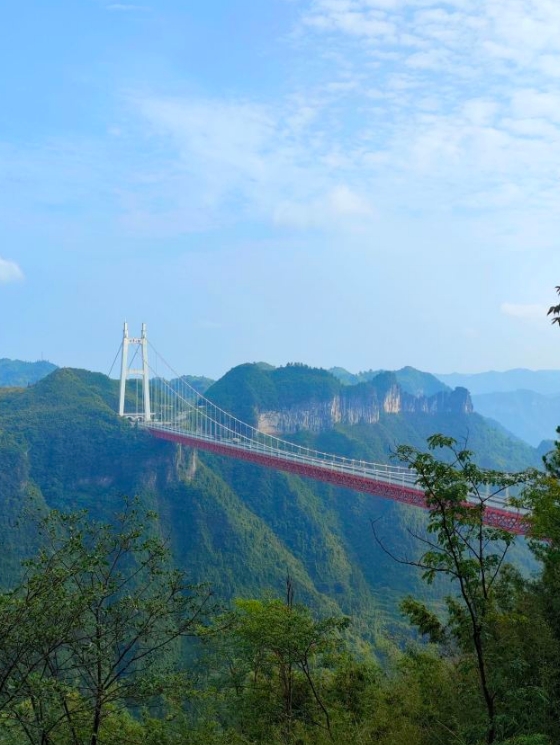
(97, 612)
(275, 651)
(554, 310)
(543, 503)
(462, 547)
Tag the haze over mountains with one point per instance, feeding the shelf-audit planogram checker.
(526, 402)
(545, 382)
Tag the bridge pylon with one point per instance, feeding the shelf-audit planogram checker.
(141, 343)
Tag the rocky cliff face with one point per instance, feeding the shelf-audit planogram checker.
(361, 404)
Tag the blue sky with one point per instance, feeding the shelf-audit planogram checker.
(365, 183)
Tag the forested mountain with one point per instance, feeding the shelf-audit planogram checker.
(410, 379)
(199, 382)
(528, 414)
(91, 650)
(238, 526)
(18, 373)
(525, 402)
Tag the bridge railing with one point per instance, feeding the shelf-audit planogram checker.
(179, 408)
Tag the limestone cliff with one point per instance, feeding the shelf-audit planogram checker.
(359, 404)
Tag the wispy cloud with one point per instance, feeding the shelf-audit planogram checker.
(421, 107)
(413, 107)
(9, 271)
(529, 311)
(464, 98)
(339, 207)
(255, 159)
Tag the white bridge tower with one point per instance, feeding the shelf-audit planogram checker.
(141, 343)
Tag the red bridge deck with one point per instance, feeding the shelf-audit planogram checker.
(514, 522)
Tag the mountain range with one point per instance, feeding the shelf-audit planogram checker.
(525, 402)
(240, 527)
(545, 382)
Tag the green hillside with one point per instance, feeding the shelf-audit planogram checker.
(238, 526)
(18, 374)
(411, 380)
(247, 389)
(199, 382)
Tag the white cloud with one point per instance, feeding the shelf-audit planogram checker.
(9, 271)
(421, 107)
(218, 142)
(346, 202)
(533, 312)
(340, 206)
(260, 160)
(536, 104)
(469, 91)
(517, 31)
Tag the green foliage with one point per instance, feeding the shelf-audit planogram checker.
(554, 311)
(15, 373)
(275, 650)
(89, 628)
(424, 620)
(236, 525)
(543, 502)
(233, 524)
(460, 546)
(274, 671)
(527, 740)
(412, 381)
(247, 389)
(419, 383)
(243, 391)
(199, 382)
(345, 377)
(281, 671)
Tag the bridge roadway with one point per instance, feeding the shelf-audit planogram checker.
(396, 484)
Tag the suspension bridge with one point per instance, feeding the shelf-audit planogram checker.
(170, 408)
